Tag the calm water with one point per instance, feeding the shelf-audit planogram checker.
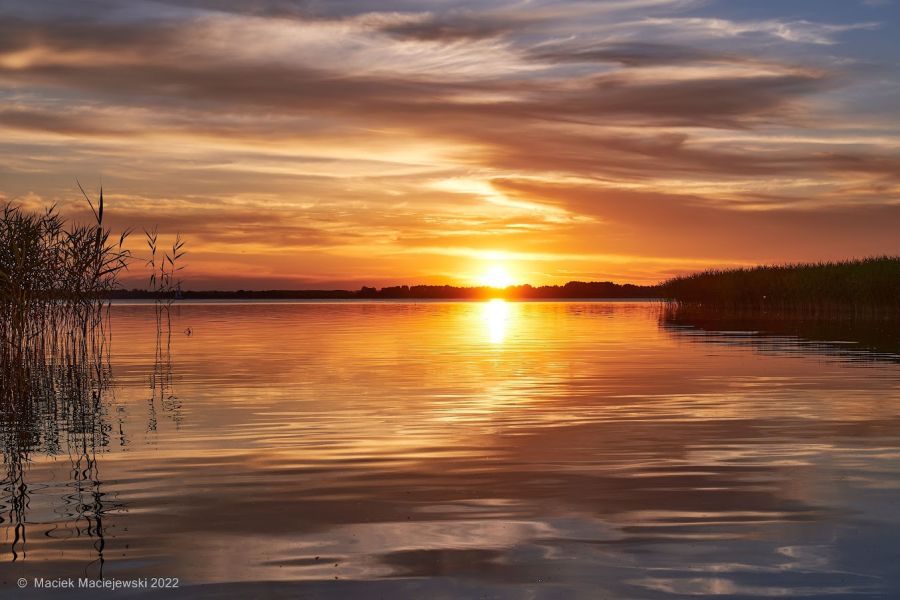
(561, 450)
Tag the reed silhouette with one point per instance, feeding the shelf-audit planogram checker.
(52, 280)
(55, 371)
(869, 285)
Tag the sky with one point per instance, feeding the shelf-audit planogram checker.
(339, 143)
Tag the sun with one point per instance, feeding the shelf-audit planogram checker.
(496, 277)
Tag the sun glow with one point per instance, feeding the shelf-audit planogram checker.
(497, 276)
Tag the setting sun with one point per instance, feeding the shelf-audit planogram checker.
(496, 276)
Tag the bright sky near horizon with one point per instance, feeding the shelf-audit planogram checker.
(347, 142)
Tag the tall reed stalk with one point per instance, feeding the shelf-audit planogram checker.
(164, 268)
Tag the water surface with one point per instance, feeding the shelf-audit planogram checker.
(560, 450)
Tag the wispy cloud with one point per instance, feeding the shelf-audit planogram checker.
(802, 32)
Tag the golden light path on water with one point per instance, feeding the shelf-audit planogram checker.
(497, 316)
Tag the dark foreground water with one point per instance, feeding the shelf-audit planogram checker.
(432, 450)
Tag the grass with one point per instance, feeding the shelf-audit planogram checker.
(851, 286)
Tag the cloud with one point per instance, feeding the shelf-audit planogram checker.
(632, 54)
(201, 83)
(456, 26)
(802, 32)
(686, 225)
(330, 131)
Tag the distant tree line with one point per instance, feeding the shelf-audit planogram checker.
(573, 289)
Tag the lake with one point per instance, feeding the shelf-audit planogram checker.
(497, 450)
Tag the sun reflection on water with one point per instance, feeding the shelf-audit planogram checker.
(496, 314)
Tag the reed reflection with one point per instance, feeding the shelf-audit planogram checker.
(55, 380)
(162, 392)
(55, 405)
(857, 338)
(57, 398)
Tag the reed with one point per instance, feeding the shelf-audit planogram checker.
(53, 277)
(164, 268)
(53, 352)
(869, 285)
